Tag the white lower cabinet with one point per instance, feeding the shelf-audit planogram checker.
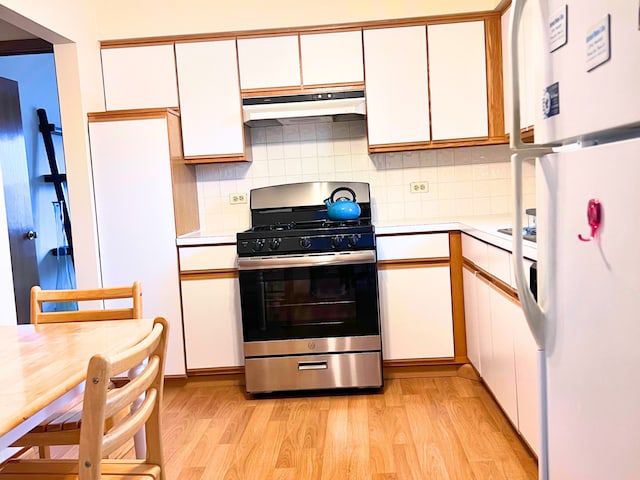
(415, 312)
(527, 382)
(500, 370)
(212, 328)
(471, 318)
(499, 343)
(502, 349)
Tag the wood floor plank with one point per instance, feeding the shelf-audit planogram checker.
(445, 428)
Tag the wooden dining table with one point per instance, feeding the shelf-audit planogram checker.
(44, 366)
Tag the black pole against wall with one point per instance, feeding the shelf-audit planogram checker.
(46, 129)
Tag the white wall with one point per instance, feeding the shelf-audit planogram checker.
(144, 18)
(462, 182)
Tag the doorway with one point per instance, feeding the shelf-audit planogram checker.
(34, 71)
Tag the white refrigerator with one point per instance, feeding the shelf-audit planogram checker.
(586, 319)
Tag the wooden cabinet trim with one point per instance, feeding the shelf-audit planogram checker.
(198, 159)
(435, 144)
(300, 89)
(495, 86)
(413, 263)
(339, 27)
(497, 284)
(134, 114)
(215, 274)
(457, 296)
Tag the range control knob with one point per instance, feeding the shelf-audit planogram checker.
(352, 240)
(305, 242)
(274, 243)
(258, 244)
(336, 241)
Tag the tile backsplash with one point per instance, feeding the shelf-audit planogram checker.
(460, 182)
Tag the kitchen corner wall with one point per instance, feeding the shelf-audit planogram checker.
(462, 182)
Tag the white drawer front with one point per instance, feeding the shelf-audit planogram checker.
(499, 263)
(476, 251)
(430, 245)
(207, 258)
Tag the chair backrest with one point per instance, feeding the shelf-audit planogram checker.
(102, 402)
(39, 297)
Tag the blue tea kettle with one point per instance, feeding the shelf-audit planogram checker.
(342, 208)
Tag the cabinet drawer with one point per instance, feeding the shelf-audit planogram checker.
(207, 258)
(476, 251)
(499, 263)
(430, 245)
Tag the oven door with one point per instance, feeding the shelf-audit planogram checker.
(309, 296)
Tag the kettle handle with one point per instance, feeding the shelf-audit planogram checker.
(339, 189)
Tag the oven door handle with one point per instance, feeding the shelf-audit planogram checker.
(310, 260)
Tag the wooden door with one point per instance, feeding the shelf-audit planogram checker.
(13, 161)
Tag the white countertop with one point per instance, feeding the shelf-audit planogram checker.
(484, 228)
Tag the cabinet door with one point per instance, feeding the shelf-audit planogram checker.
(526, 359)
(134, 215)
(501, 377)
(212, 323)
(458, 80)
(139, 77)
(395, 61)
(485, 339)
(210, 103)
(269, 62)
(415, 312)
(471, 318)
(329, 58)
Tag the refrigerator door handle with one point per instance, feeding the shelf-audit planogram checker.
(532, 311)
(515, 139)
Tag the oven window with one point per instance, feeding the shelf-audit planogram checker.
(306, 302)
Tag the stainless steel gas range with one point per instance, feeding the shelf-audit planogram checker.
(309, 291)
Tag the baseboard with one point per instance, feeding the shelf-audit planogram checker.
(412, 368)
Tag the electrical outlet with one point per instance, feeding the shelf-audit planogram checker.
(419, 187)
(236, 198)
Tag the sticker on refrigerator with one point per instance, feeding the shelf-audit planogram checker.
(558, 29)
(551, 101)
(599, 43)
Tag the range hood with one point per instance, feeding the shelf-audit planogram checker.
(311, 107)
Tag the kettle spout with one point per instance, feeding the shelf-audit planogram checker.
(327, 202)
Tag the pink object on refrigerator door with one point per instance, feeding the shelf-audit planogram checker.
(594, 216)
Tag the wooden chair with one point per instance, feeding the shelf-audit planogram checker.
(40, 297)
(100, 403)
(63, 427)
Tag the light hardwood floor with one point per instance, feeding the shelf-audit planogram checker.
(447, 428)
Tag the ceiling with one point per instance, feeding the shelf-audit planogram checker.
(11, 32)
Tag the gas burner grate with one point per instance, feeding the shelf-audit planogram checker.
(274, 228)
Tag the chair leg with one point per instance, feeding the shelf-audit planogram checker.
(44, 451)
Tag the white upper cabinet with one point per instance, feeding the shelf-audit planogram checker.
(210, 103)
(269, 62)
(329, 58)
(458, 80)
(139, 77)
(395, 61)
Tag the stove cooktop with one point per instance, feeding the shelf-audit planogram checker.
(292, 219)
